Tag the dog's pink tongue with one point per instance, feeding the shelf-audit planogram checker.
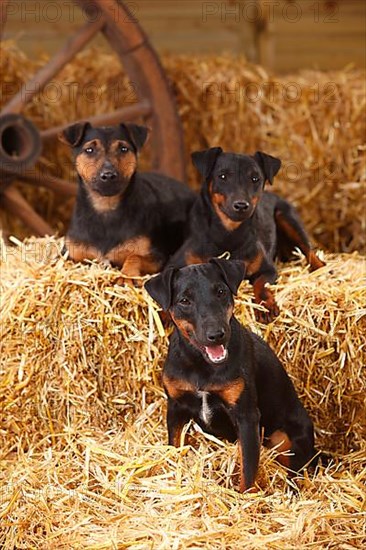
(215, 352)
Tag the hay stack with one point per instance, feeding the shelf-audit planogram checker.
(83, 457)
(313, 121)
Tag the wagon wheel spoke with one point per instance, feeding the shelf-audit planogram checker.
(141, 109)
(3, 12)
(71, 47)
(16, 204)
(58, 185)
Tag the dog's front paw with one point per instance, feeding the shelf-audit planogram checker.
(315, 262)
(268, 316)
(129, 281)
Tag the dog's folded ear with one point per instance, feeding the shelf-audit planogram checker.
(232, 271)
(160, 288)
(74, 134)
(137, 134)
(269, 165)
(205, 161)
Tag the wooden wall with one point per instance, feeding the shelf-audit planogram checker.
(283, 35)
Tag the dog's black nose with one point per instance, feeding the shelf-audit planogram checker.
(239, 206)
(215, 335)
(108, 175)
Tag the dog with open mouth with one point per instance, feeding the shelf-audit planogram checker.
(223, 376)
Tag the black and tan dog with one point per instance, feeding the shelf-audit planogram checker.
(222, 375)
(133, 220)
(234, 214)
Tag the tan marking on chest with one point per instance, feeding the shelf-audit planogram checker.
(230, 392)
(175, 388)
(103, 204)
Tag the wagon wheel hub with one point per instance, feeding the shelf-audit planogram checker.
(20, 143)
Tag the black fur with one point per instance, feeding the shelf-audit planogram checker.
(250, 224)
(265, 395)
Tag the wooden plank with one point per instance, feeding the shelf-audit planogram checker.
(180, 26)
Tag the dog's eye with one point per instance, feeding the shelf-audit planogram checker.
(89, 150)
(184, 302)
(220, 291)
(124, 149)
(222, 176)
(255, 179)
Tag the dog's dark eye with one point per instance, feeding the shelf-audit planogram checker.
(124, 149)
(184, 302)
(222, 176)
(255, 179)
(220, 291)
(89, 150)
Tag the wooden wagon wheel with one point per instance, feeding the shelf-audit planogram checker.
(21, 142)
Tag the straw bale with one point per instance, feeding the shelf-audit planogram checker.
(84, 460)
(312, 120)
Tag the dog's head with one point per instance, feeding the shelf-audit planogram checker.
(105, 157)
(234, 183)
(200, 301)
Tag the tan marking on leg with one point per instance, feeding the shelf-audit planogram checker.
(79, 252)
(314, 261)
(297, 241)
(178, 435)
(265, 297)
(242, 485)
(192, 258)
(135, 257)
(283, 443)
(253, 265)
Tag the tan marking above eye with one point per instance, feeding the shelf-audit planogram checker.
(116, 146)
(93, 144)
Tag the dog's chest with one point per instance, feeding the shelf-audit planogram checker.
(205, 411)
